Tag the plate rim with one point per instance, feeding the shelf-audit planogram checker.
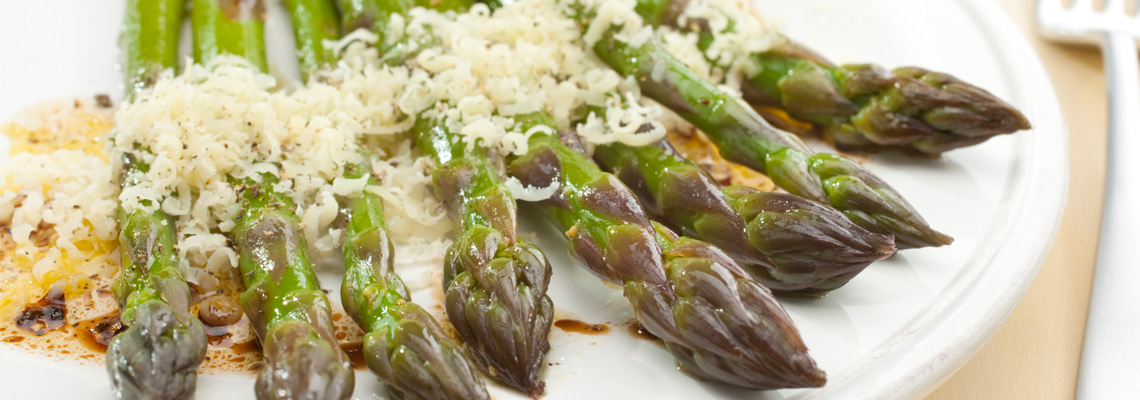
(921, 375)
(1035, 226)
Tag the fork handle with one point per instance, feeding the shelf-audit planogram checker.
(1110, 360)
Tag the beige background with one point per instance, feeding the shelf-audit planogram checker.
(1034, 355)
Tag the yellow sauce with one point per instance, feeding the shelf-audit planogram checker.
(70, 125)
(74, 124)
(694, 145)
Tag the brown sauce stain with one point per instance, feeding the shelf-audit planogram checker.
(96, 333)
(246, 347)
(47, 314)
(637, 331)
(224, 340)
(576, 326)
(355, 353)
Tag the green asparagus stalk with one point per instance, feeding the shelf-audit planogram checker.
(375, 15)
(788, 243)
(282, 297)
(235, 27)
(496, 284)
(730, 328)
(404, 346)
(314, 22)
(372, 15)
(860, 106)
(745, 138)
(157, 357)
(150, 41)
(284, 301)
(717, 322)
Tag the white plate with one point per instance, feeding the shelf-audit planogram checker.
(896, 331)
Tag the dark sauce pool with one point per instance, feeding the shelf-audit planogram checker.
(576, 326)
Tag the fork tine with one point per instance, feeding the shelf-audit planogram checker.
(1081, 5)
(1114, 7)
(1049, 5)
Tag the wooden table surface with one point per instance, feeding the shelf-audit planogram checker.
(1035, 354)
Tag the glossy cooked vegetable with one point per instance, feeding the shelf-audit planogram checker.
(150, 41)
(860, 106)
(742, 136)
(282, 298)
(375, 15)
(496, 284)
(717, 322)
(404, 345)
(314, 22)
(235, 27)
(788, 243)
(157, 357)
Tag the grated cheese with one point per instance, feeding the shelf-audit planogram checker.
(475, 72)
(737, 33)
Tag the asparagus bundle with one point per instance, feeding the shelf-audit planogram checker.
(158, 355)
(496, 284)
(718, 323)
(788, 243)
(283, 298)
(859, 106)
(745, 138)
(404, 345)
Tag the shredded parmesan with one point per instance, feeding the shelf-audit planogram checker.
(529, 193)
(737, 33)
(225, 119)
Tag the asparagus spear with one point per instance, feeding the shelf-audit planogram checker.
(150, 41)
(860, 106)
(745, 138)
(314, 22)
(283, 298)
(404, 345)
(788, 243)
(284, 301)
(375, 15)
(496, 284)
(718, 323)
(157, 357)
(233, 27)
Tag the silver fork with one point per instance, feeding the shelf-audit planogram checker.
(1110, 359)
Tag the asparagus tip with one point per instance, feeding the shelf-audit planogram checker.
(300, 365)
(157, 357)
